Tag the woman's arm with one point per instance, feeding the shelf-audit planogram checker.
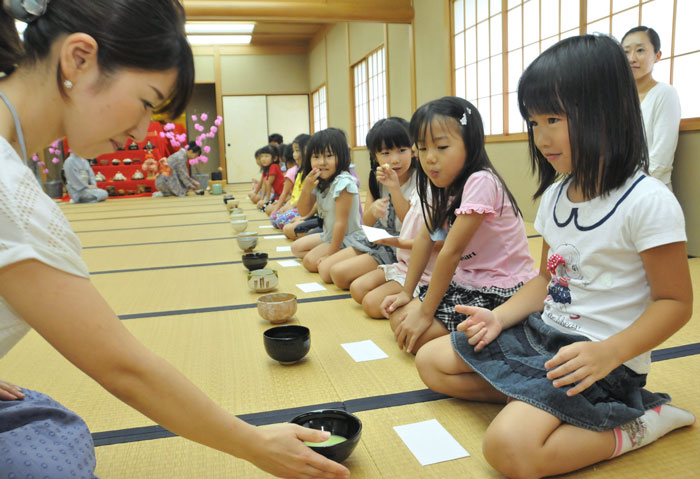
(670, 309)
(73, 317)
(665, 126)
(343, 203)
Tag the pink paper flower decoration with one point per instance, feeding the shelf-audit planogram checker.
(46, 170)
(41, 163)
(194, 117)
(198, 127)
(203, 117)
(192, 162)
(169, 126)
(54, 160)
(199, 142)
(35, 157)
(207, 149)
(213, 129)
(204, 159)
(174, 143)
(162, 134)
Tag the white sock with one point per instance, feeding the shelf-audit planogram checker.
(649, 427)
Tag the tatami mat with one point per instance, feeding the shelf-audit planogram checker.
(188, 301)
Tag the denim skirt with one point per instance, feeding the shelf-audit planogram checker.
(514, 364)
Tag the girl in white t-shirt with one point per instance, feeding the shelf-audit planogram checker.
(569, 352)
(95, 72)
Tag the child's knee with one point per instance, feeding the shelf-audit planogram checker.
(357, 291)
(324, 270)
(371, 305)
(310, 264)
(507, 453)
(339, 276)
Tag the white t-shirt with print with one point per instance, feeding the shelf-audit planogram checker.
(599, 285)
(31, 227)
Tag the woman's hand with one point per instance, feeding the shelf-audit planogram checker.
(414, 323)
(387, 176)
(393, 302)
(281, 452)
(378, 207)
(10, 392)
(582, 363)
(481, 327)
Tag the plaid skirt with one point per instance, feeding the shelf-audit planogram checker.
(487, 297)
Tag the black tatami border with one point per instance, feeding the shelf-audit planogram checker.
(121, 436)
(231, 307)
(179, 266)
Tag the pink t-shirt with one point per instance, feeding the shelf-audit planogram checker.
(291, 173)
(497, 254)
(411, 226)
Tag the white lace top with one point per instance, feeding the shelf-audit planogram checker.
(31, 227)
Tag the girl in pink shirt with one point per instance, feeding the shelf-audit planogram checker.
(485, 257)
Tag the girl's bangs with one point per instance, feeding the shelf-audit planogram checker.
(538, 91)
(390, 135)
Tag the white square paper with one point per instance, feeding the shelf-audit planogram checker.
(288, 263)
(281, 249)
(310, 287)
(275, 236)
(264, 227)
(374, 234)
(430, 442)
(364, 351)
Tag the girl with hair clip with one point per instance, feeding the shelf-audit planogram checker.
(333, 190)
(485, 257)
(294, 179)
(392, 180)
(570, 351)
(661, 107)
(84, 58)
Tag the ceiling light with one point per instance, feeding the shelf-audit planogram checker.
(219, 27)
(219, 39)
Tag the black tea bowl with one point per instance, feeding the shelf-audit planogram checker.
(287, 344)
(338, 423)
(254, 261)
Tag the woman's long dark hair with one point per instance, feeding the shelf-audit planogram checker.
(444, 201)
(135, 34)
(388, 133)
(587, 79)
(332, 139)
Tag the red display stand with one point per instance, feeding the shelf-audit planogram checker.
(129, 187)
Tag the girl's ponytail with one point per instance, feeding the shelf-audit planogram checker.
(11, 50)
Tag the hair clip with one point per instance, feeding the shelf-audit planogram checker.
(463, 120)
(25, 10)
